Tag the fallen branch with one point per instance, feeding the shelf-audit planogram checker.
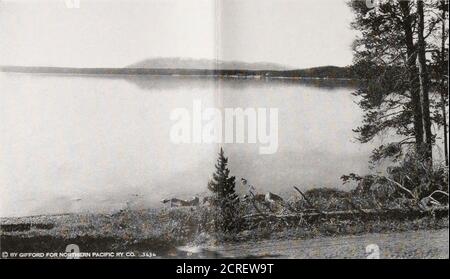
(439, 191)
(355, 206)
(256, 208)
(259, 211)
(436, 202)
(351, 214)
(402, 187)
(307, 200)
(254, 204)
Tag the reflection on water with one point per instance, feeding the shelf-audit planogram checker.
(74, 143)
(166, 82)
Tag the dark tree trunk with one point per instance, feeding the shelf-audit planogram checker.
(443, 79)
(412, 75)
(424, 82)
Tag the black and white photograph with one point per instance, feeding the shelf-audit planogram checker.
(224, 129)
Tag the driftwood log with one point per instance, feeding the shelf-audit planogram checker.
(364, 215)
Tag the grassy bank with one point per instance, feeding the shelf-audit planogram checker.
(160, 231)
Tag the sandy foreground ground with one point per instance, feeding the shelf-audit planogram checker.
(411, 244)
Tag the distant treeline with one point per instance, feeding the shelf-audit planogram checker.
(331, 72)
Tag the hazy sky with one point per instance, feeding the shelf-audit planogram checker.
(115, 33)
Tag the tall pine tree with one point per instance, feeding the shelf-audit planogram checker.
(391, 62)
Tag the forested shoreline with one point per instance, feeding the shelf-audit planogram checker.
(319, 72)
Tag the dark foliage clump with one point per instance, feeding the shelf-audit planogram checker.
(225, 199)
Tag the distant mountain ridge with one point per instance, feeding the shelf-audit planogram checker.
(205, 64)
(198, 67)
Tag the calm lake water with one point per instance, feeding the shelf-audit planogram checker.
(76, 143)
